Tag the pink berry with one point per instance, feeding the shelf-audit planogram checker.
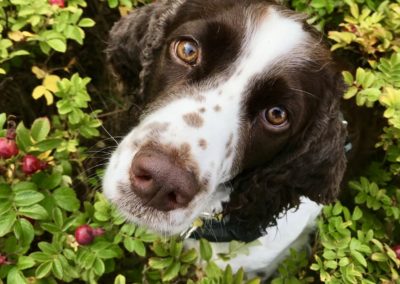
(31, 164)
(8, 148)
(396, 249)
(59, 3)
(84, 235)
(98, 232)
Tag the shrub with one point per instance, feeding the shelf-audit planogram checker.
(56, 227)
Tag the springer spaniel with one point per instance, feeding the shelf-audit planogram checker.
(241, 118)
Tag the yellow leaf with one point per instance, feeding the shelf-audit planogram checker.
(49, 98)
(50, 82)
(123, 11)
(27, 34)
(16, 36)
(39, 73)
(45, 156)
(38, 92)
(2, 71)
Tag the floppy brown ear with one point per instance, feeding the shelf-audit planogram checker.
(314, 168)
(133, 41)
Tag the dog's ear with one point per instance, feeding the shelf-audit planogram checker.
(135, 38)
(313, 168)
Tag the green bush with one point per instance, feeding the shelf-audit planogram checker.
(48, 190)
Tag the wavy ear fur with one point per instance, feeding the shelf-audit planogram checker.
(134, 40)
(314, 168)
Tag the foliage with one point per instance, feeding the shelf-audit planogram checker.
(40, 211)
(355, 238)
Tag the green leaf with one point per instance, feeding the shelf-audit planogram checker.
(379, 257)
(86, 23)
(99, 267)
(24, 185)
(254, 281)
(27, 198)
(25, 262)
(357, 214)
(57, 44)
(15, 276)
(40, 129)
(171, 272)
(113, 3)
(43, 269)
(57, 268)
(45, 181)
(205, 250)
(24, 232)
(35, 211)
(3, 119)
(58, 217)
(212, 270)
(6, 223)
(359, 257)
(239, 276)
(48, 144)
(160, 263)
(41, 256)
(120, 279)
(189, 256)
(228, 276)
(47, 248)
(65, 198)
(23, 137)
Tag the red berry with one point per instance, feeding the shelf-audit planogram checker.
(8, 148)
(396, 249)
(59, 3)
(31, 164)
(3, 260)
(84, 235)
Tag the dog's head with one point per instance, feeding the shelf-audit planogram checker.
(241, 115)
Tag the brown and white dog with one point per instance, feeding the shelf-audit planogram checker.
(241, 117)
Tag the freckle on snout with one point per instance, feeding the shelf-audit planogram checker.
(217, 108)
(193, 120)
(203, 144)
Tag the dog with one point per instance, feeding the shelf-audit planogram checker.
(241, 117)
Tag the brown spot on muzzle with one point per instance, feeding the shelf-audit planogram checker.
(203, 144)
(193, 120)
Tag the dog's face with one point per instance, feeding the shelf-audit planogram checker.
(236, 94)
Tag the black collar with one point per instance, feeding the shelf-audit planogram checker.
(225, 231)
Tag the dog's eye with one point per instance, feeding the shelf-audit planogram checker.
(187, 50)
(275, 116)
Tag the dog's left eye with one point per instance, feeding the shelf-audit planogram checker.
(275, 117)
(187, 50)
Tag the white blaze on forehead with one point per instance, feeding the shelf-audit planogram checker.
(271, 38)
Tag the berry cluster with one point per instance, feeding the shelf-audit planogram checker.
(9, 149)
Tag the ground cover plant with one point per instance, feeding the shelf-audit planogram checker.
(57, 106)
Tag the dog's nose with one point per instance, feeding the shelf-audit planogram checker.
(161, 182)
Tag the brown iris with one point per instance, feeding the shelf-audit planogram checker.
(276, 116)
(187, 50)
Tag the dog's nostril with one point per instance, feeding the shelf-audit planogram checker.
(143, 181)
(172, 197)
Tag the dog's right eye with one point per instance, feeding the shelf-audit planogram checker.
(187, 51)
